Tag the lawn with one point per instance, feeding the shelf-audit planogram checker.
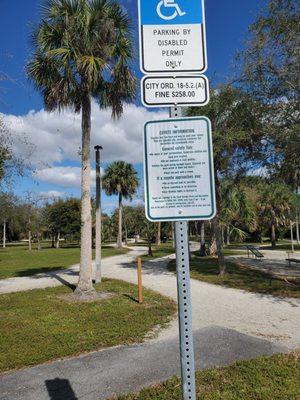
(206, 269)
(165, 249)
(281, 245)
(17, 260)
(265, 378)
(38, 325)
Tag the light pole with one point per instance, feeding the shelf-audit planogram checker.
(98, 243)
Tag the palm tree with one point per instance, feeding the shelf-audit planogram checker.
(120, 178)
(82, 49)
(237, 208)
(275, 206)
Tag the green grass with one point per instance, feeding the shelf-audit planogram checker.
(206, 269)
(165, 249)
(281, 245)
(17, 260)
(38, 325)
(234, 252)
(265, 378)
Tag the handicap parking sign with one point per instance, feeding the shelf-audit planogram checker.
(172, 36)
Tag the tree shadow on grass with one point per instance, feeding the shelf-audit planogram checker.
(153, 267)
(128, 296)
(51, 273)
(35, 271)
(60, 389)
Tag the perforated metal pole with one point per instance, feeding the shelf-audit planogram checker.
(98, 244)
(184, 302)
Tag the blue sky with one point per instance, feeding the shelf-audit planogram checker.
(226, 22)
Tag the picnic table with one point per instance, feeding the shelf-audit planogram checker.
(255, 251)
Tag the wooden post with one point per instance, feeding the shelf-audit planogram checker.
(140, 283)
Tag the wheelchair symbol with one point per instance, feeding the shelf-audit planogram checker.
(165, 4)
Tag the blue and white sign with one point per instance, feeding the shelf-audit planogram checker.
(172, 36)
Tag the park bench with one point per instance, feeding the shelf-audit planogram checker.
(255, 251)
(292, 260)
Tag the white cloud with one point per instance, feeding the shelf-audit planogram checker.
(57, 136)
(67, 177)
(52, 194)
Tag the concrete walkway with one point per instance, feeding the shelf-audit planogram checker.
(125, 369)
(228, 324)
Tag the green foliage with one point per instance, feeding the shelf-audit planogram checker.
(83, 48)
(109, 229)
(206, 269)
(237, 208)
(270, 73)
(63, 217)
(237, 130)
(39, 325)
(270, 61)
(120, 178)
(275, 204)
(7, 202)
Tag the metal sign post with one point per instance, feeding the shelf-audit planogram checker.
(178, 168)
(184, 302)
(98, 244)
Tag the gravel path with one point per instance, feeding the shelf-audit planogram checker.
(264, 316)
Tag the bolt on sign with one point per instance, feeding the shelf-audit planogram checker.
(172, 36)
(179, 171)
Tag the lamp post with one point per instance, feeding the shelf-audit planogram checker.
(98, 243)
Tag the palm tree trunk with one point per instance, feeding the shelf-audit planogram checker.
(202, 240)
(158, 240)
(150, 253)
(4, 234)
(85, 284)
(119, 242)
(57, 240)
(126, 234)
(196, 226)
(221, 259)
(273, 236)
(173, 234)
(297, 227)
(228, 235)
(292, 235)
(212, 248)
(29, 241)
(39, 247)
